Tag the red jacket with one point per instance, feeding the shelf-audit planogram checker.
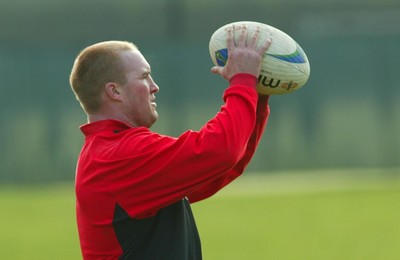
(142, 172)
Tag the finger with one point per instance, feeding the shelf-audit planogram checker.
(220, 71)
(242, 36)
(216, 70)
(265, 46)
(230, 43)
(255, 37)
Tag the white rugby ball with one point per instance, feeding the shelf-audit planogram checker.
(285, 67)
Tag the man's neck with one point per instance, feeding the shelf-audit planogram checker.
(102, 116)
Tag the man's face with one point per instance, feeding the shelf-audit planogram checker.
(139, 90)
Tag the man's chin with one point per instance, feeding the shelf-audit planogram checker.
(155, 118)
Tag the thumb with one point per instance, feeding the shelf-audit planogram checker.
(217, 70)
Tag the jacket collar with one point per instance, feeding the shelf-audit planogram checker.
(109, 125)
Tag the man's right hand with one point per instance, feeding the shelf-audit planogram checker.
(244, 56)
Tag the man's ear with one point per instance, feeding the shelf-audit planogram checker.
(112, 90)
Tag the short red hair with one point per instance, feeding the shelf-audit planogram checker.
(95, 66)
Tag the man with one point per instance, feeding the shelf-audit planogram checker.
(134, 186)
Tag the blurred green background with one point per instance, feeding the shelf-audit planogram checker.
(346, 117)
(348, 114)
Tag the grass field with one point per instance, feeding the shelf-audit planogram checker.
(337, 214)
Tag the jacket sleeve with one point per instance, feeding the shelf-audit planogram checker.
(213, 187)
(154, 171)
